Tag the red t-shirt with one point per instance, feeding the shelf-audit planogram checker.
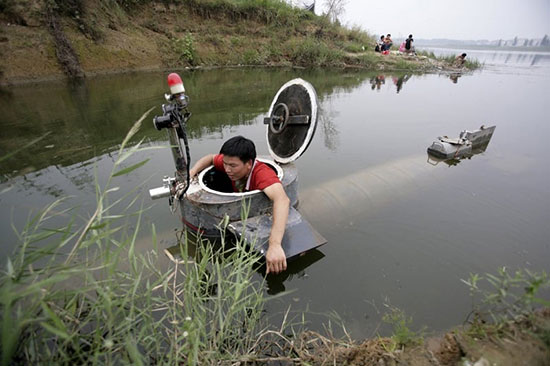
(261, 176)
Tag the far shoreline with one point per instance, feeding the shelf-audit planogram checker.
(62, 78)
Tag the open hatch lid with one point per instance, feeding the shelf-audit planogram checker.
(299, 236)
(291, 121)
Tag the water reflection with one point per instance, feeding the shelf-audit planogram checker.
(539, 59)
(522, 58)
(275, 283)
(398, 79)
(455, 76)
(330, 131)
(377, 81)
(433, 160)
(90, 118)
(296, 269)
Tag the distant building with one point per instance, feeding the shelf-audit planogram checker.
(515, 42)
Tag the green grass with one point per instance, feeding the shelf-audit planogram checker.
(310, 52)
(402, 334)
(354, 47)
(312, 40)
(428, 54)
(507, 295)
(402, 64)
(273, 12)
(369, 59)
(508, 306)
(83, 293)
(473, 64)
(450, 60)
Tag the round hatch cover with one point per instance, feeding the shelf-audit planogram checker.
(292, 121)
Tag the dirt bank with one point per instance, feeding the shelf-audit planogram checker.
(43, 40)
(524, 342)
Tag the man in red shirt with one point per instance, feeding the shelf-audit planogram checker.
(237, 158)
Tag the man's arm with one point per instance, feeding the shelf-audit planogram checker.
(201, 164)
(275, 256)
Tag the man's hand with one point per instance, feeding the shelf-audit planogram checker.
(275, 256)
(275, 259)
(201, 164)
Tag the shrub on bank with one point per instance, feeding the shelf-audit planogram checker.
(310, 52)
(185, 50)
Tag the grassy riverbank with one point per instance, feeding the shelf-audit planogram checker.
(81, 292)
(45, 39)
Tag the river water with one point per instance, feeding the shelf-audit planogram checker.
(417, 228)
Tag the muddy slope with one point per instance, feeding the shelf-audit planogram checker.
(76, 38)
(525, 342)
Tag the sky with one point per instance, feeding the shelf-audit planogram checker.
(451, 19)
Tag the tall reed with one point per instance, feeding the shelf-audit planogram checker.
(82, 293)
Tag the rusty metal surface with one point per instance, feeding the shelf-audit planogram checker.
(299, 236)
(206, 210)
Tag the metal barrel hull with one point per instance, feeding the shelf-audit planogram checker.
(204, 210)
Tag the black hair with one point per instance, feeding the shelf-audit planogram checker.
(463, 55)
(240, 147)
(410, 35)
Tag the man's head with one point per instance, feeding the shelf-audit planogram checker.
(239, 154)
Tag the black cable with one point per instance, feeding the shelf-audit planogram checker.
(178, 117)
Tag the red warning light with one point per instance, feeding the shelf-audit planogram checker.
(175, 84)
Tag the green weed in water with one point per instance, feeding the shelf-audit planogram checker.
(402, 333)
(505, 296)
